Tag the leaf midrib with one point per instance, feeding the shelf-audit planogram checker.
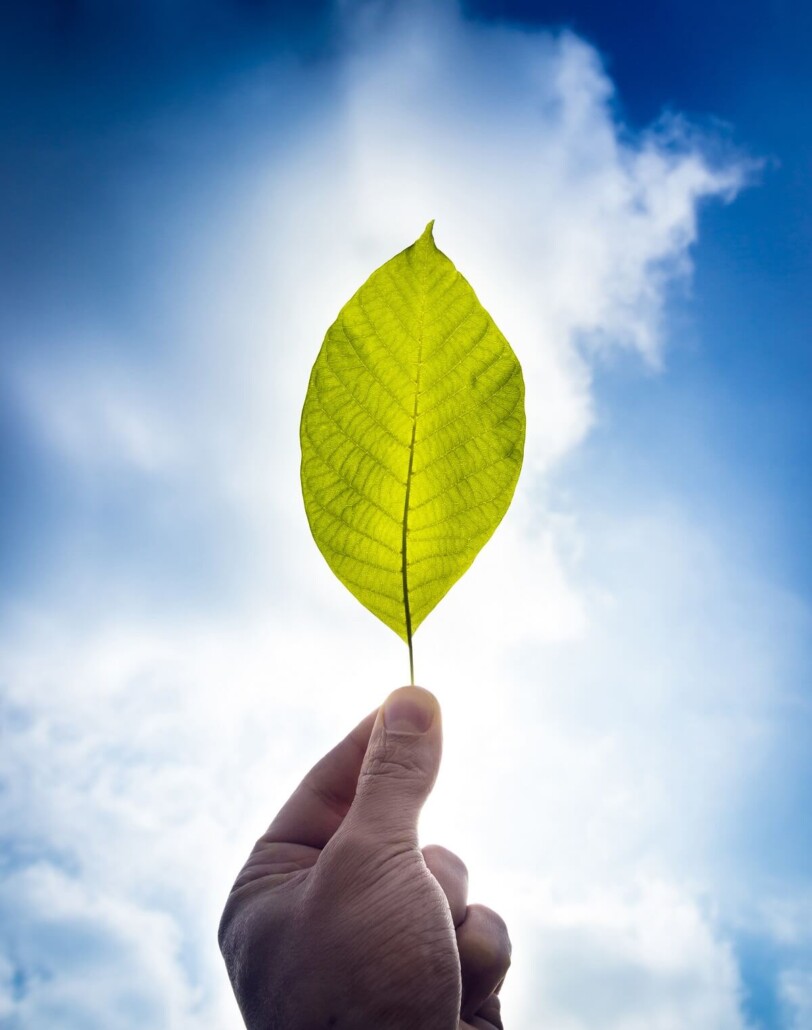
(404, 544)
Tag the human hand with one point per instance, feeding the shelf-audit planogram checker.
(338, 920)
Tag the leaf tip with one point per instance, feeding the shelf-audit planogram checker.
(428, 232)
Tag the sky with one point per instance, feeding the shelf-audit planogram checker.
(190, 192)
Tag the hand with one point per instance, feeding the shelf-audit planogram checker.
(338, 920)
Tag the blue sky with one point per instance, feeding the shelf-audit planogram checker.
(189, 193)
(742, 71)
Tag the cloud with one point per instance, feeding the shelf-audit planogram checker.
(644, 958)
(796, 993)
(76, 957)
(93, 415)
(604, 689)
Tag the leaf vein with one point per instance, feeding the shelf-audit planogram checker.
(355, 529)
(379, 381)
(342, 478)
(364, 562)
(449, 371)
(360, 403)
(357, 443)
(448, 487)
(461, 389)
(473, 407)
(376, 333)
(465, 511)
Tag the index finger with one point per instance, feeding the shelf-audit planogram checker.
(317, 807)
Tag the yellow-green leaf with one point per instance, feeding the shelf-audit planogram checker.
(412, 435)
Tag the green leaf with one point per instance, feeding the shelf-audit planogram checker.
(412, 436)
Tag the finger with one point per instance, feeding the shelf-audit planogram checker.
(489, 1015)
(450, 872)
(484, 947)
(316, 808)
(399, 767)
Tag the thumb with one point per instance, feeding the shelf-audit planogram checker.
(399, 768)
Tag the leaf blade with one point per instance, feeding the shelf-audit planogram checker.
(412, 435)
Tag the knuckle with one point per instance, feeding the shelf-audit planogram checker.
(394, 761)
(439, 857)
(491, 1010)
(224, 929)
(489, 939)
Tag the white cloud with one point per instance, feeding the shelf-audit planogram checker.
(796, 993)
(599, 713)
(95, 415)
(85, 959)
(638, 958)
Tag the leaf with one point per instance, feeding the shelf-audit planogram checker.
(412, 436)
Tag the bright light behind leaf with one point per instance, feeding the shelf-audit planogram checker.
(412, 436)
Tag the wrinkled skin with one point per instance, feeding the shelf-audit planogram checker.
(339, 920)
